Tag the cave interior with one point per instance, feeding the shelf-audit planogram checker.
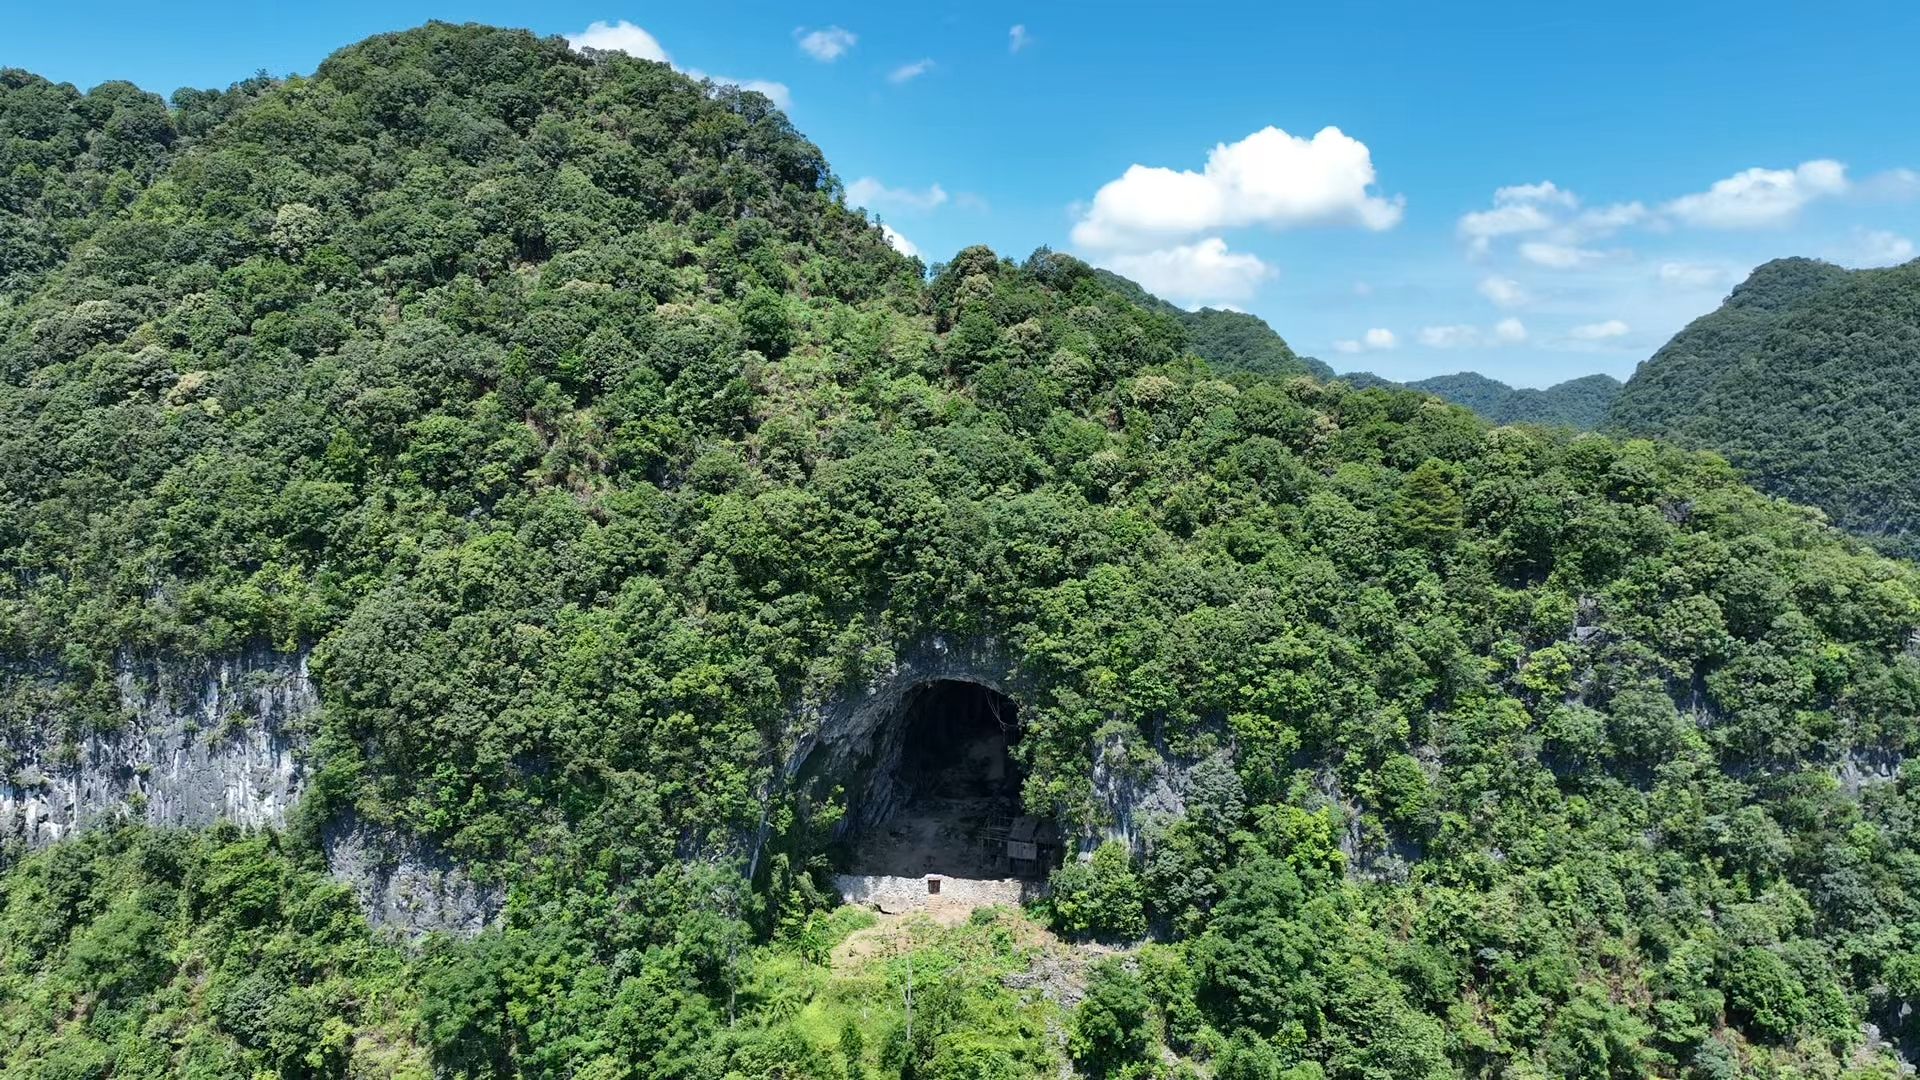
(945, 795)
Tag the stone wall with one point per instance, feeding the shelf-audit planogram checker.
(897, 895)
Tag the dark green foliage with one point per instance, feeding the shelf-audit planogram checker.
(1580, 404)
(1808, 380)
(561, 405)
(1111, 1028)
(1231, 341)
(1237, 341)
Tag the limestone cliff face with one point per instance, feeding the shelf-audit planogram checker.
(206, 741)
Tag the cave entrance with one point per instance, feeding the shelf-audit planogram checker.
(954, 792)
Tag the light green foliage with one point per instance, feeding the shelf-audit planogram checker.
(1100, 897)
(153, 954)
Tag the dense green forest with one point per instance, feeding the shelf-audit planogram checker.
(1808, 379)
(561, 405)
(1236, 342)
(1232, 341)
(1580, 404)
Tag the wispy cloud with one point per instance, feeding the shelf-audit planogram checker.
(827, 44)
(909, 72)
(1599, 331)
(1466, 336)
(874, 195)
(1018, 38)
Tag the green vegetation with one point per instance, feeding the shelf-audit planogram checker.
(1807, 379)
(563, 407)
(133, 953)
(1232, 341)
(1580, 404)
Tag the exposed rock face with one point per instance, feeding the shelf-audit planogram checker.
(1864, 767)
(407, 886)
(1136, 784)
(214, 740)
(207, 741)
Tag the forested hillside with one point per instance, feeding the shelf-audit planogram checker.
(561, 405)
(1236, 342)
(1580, 404)
(1232, 341)
(1808, 379)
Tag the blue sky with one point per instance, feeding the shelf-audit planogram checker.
(1534, 191)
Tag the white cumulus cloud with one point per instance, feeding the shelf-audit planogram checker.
(874, 195)
(1510, 331)
(620, 36)
(900, 243)
(1599, 331)
(1269, 178)
(909, 72)
(1557, 256)
(1198, 272)
(1504, 291)
(827, 44)
(1376, 339)
(623, 36)
(1018, 38)
(1756, 198)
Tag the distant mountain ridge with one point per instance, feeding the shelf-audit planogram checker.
(1808, 379)
(1580, 403)
(1237, 341)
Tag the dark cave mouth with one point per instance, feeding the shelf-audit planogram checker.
(950, 801)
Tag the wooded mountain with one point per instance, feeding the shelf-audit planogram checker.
(1234, 341)
(561, 407)
(1229, 340)
(1808, 379)
(1580, 404)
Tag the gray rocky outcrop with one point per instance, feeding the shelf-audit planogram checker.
(405, 885)
(205, 741)
(199, 742)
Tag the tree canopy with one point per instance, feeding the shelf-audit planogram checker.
(560, 405)
(1808, 380)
